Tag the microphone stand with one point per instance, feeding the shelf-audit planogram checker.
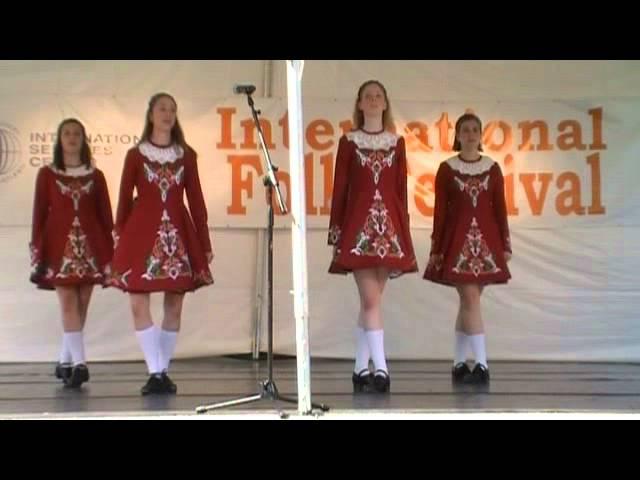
(267, 388)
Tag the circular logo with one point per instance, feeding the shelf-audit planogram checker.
(10, 158)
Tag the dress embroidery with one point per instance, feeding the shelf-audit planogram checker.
(473, 187)
(378, 237)
(164, 177)
(169, 257)
(78, 259)
(475, 257)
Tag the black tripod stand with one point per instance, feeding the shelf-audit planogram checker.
(268, 389)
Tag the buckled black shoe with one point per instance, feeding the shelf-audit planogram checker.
(381, 381)
(169, 386)
(479, 375)
(362, 381)
(63, 370)
(79, 375)
(459, 371)
(154, 385)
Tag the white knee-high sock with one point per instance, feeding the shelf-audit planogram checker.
(375, 339)
(461, 348)
(75, 342)
(362, 351)
(149, 342)
(168, 340)
(65, 353)
(479, 348)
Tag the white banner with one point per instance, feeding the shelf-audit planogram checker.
(564, 164)
(571, 170)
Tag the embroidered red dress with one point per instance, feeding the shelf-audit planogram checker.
(369, 223)
(71, 240)
(159, 246)
(470, 226)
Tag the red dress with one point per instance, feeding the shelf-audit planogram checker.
(470, 227)
(71, 230)
(159, 246)
(369, 224)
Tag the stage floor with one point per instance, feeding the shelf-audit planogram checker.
(417, 387)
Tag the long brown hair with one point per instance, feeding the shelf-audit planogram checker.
(358, 116)
(177, 135)
(465, 118)
(58, 154)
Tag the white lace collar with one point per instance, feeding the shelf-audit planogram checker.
(373, 141)
(79, 171)
(161, 154)
(471, 168)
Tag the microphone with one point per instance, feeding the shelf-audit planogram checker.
(240, 88)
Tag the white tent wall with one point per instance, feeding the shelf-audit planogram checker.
(469, 80)
(218, 320)
(584, 310)
(199, 79)
(441, 80)
(563, 303)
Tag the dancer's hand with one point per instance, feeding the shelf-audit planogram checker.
(435, 260)
(210, 256)
(507, 256)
